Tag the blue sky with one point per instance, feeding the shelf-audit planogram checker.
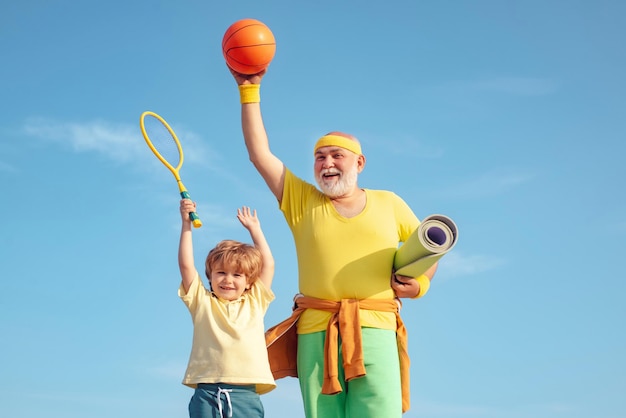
(506, 116)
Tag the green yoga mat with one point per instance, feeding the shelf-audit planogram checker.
(434, 238)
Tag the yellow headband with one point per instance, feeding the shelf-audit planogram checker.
(338, 141)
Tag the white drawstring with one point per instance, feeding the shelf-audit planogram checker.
(226, 392)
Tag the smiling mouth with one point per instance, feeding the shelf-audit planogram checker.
(327, 176)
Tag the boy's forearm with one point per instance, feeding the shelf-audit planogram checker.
(261, 244)
(185, 248)
(185, 257)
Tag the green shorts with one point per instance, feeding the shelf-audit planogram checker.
(375, 395)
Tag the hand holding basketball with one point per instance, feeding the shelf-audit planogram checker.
(248, 46)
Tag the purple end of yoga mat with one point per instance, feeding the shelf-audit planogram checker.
(436, 235)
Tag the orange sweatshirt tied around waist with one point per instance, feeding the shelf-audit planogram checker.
(282, 341)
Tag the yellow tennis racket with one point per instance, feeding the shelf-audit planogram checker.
(164, 143)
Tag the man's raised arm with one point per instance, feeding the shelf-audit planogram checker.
(267, 164)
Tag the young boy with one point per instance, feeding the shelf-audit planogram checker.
(228, 366)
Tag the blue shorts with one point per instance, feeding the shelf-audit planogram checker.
(219, 400)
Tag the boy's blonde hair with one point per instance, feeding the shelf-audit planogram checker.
(245, 257)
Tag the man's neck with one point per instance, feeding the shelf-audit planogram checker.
(351, 204)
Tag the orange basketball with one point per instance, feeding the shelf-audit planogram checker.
(248, 46)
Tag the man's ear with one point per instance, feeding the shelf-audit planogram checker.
(360, 163)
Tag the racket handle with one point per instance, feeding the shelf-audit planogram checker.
(193, 216)
(197, 223)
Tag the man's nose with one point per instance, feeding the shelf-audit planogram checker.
(328, 162)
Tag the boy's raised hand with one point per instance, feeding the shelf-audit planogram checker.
(186, 206)
(248, 218)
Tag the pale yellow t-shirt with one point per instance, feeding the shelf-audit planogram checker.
(228, 338)
(345, 258)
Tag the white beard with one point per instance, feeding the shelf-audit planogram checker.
(343, 185)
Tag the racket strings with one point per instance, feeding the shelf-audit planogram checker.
(162, 140)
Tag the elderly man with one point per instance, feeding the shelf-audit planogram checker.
(351, 351)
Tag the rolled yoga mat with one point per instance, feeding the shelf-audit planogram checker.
(435, 236)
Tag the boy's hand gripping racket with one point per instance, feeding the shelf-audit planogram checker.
(164, 143)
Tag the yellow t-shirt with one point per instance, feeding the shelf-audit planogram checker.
(345, 258)
(228, 338)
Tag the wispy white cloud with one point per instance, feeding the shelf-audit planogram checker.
(7, 168)
(75, 397)
(487, 184)
(118, 142)
(617, 227)
(404, 145)
(511, 85)
(520, 86)
(215, 219)
(124, 143)
(168, 371)
(522, 410)
(459, 265)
